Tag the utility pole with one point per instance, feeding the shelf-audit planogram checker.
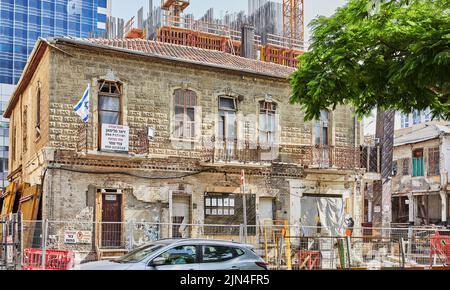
(382, 197)
(244, 203)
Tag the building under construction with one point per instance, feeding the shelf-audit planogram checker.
(277, 29)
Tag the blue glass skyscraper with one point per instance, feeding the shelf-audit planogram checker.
(22, 22)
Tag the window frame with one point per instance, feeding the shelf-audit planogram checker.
(119, 96)
(434, 156)
(405, 121)
(267, 113)
(209, 207)
(405, 166)
(24, 129)
(417, 117)
(418, 163)
(185, 119)
(197, 253)
(38, 112)
(226, 113)
(235, 254)
(395, 168)
(319, 126)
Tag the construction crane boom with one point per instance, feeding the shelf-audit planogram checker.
(293, 19)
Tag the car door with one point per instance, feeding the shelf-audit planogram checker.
(185, 257)
(220, 257)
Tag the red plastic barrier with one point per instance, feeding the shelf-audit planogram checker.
(311, 260)
(54, 260)
(440, 245)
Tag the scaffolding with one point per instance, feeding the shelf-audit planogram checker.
(293, 19)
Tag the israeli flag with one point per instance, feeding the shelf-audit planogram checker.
(82, 108)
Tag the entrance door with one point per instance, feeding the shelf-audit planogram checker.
(111, 221)
(181, 217)
(266, 211)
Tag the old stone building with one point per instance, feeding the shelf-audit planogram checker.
(420, 184)
(169, 132)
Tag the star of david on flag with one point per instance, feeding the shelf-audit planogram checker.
(82, 108)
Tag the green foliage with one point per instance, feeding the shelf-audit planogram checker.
(395, 58)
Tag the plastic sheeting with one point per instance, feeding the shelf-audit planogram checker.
(330, 211)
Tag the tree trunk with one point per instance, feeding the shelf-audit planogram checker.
(382, 197)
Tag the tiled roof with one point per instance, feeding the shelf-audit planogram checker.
(187, 54)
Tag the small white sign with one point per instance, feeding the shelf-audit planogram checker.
(115, 138)
(151, 133)
(70, 237)
(77, 237)
(407, 201)
(110, 197)
(84, 237)
(377, 209)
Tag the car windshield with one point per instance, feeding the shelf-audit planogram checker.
(139, 254)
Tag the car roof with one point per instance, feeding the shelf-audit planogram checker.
(203, 241)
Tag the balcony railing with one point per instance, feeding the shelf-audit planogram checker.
(233, 151)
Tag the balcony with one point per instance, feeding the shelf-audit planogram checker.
(314, 157)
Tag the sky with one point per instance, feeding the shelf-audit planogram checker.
(128, 8)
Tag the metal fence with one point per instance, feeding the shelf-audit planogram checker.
(282, 246)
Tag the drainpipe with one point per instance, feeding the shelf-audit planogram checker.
(444, 182)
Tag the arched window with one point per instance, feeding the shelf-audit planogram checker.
(267, 123)
(109, 103)
(185, 103)
(38, 112)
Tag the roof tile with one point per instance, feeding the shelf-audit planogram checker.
(189, 54)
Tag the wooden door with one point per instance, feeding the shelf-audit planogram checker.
(111, 221)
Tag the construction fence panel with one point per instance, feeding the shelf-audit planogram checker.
(283, 246)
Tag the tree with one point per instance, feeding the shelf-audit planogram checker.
(393, 56)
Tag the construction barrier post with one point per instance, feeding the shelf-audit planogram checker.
(44, 242)
(265, 244)
(21, 242)
(348, 241)
(402, 251)
(288, 246)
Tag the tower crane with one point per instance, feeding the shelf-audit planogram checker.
(293, 19)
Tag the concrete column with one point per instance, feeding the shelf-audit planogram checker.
(411, 208)
(444, 204)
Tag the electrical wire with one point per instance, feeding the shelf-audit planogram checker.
(126, 173)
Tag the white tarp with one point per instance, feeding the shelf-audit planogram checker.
(330, 211)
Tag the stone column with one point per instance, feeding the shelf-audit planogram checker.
(411, 209)
(444, 204)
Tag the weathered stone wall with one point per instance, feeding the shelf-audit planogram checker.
(70, 198)
(406, 183)
(149, 89)
(24, 142)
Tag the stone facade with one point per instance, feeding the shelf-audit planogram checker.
(421, 198)
(156, 170)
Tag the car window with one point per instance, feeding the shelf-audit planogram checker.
(180, 255)
(139, 254)
(214, 254)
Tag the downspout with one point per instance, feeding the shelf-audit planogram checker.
(444, 181)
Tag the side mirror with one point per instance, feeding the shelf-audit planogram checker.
(159, 261)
